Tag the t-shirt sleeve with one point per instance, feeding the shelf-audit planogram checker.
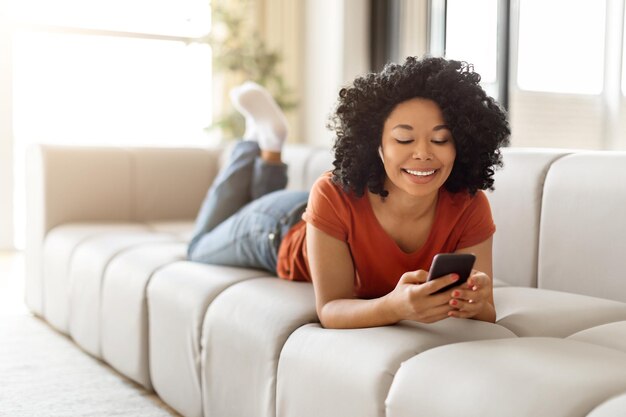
(327, 209)
(478, 222)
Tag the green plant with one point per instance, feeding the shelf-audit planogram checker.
(239, 52)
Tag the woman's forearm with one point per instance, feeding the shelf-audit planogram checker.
(357, 313)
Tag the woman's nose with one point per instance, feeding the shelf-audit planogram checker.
(422, 151)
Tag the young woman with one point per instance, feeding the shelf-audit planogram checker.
(415, 145)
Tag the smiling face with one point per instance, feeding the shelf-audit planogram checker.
(417, 148)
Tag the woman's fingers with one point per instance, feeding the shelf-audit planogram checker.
(460, 294)
(439, 283)
(414, 277)
(477, 287)
(426, 306)
(459, 314)
(465, 305)
(478, 279)
(436, 314)
(469, 300)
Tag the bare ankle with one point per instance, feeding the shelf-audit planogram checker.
(271, 156)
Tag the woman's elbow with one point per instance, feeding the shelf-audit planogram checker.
(325, 322)
(326, 316)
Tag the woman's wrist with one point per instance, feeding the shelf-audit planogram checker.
(388, 309)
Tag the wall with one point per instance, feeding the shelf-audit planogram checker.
(336, 50)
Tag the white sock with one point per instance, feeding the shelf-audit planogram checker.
(265, 121)
(250, 133)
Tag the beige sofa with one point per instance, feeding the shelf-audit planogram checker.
(107, 235)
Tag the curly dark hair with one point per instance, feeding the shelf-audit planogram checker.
(478, 124)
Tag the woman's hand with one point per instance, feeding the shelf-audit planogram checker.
(474, 298)
(413, 298)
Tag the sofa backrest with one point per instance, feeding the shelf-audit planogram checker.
(306, 164)
(117, 184)
(516, 203)
(572, 226)
(582, 246)
(516, 207)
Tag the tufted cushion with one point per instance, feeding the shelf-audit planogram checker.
(583, 227)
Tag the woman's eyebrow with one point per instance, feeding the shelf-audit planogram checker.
(409, 127)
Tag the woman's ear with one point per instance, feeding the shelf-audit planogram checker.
(380, 153)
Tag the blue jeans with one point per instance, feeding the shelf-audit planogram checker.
(246, 213)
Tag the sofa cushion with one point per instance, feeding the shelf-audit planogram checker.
(497, 283)
(538, 312)
(613, 407)
(182, 229)
(516, 207)
(87, 270)
(611, 335)
(319, 162)
(178, 297)
(58, 249)
(244, 332)
(511, 377)
(124, 310)
(583, 231)
(338, 373)
(305, 164)
(162, 178)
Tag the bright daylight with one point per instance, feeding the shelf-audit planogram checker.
(305, 208)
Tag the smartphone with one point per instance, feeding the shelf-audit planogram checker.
(448, 263)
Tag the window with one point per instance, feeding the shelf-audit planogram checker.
(560, 94)
(565, 60)
(558, 54)
(473, 40)
(85, 89)
(108, 72)
(475, 32)
(186, 18)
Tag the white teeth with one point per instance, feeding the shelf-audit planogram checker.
(420, 173)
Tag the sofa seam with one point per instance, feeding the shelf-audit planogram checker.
(545, 176)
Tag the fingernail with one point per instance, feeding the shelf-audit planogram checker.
(474, 288)
(456, 294)
(454, 302)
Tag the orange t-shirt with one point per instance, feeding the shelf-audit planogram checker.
(460, 221)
